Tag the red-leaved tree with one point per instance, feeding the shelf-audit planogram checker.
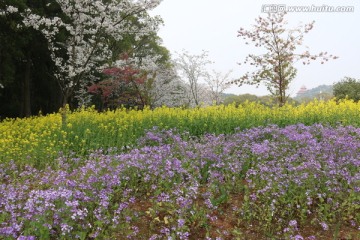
(122, 86)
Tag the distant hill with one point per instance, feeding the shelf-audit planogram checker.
(320, 92)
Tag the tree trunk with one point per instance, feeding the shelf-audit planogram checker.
(0, 65)
(27, 88)
(64, 110)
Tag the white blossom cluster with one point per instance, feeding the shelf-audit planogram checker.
(89, 26)
(8, 10)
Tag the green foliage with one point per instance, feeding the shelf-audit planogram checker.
(347, 88)
(242, 99)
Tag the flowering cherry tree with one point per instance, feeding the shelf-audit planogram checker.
(193, 70)
(275, 68)
(217, 83)
(89, 27)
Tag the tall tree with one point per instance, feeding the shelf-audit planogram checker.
(275, 67)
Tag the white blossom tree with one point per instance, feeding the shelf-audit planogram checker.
(218, 83)
(88, 27)
(192, 68)
(167, 89)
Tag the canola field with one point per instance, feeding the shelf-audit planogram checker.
(218, 172)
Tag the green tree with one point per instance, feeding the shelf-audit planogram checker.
(347, 88)
(240, 99)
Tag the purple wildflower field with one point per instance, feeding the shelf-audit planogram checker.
(296, 182)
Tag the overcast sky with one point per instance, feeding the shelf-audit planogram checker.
(212, 25)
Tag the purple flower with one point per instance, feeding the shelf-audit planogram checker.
(65, 228)
(285, 171)
(181, 223)
(298, 237)
(183, 235)
(293, 223)
(165, 231)
(324, 226)
(163, 197)
(26, 238)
